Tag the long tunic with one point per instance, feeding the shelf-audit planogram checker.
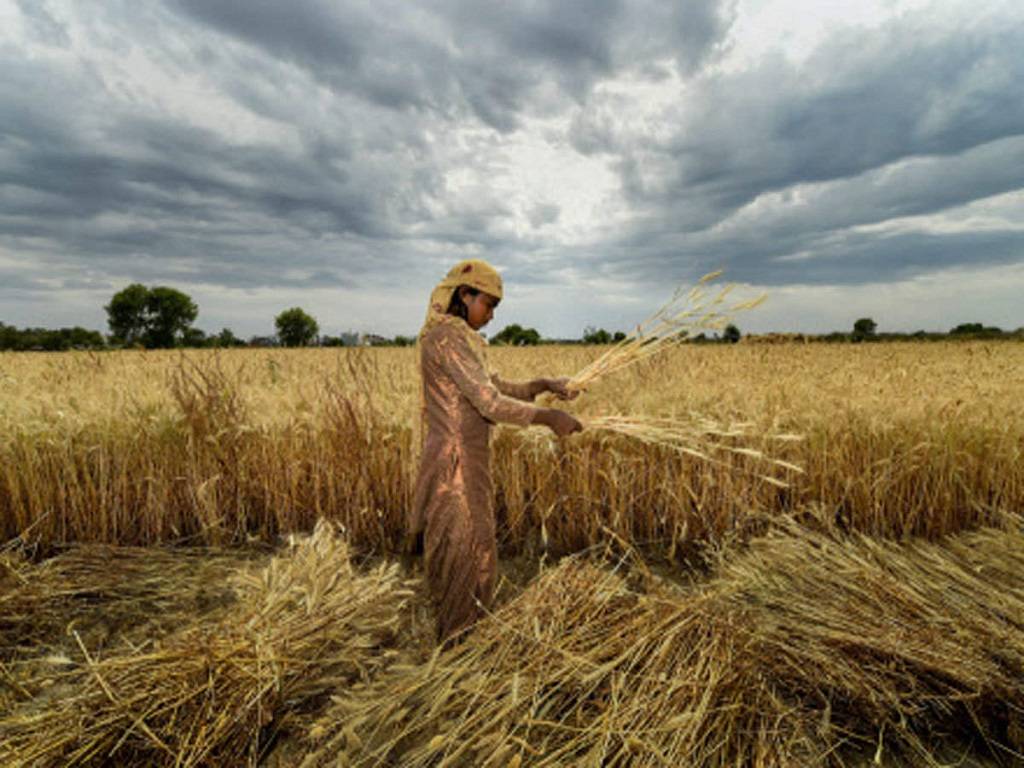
(453, 504)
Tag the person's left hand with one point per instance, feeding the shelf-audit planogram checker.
(560, 388)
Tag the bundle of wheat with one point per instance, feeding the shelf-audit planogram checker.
(686, 312)
(14, 567)
(698, 436)
(906, 646)
(527, 679)
(215, 694)
(810, 648)
(701, 438)
(109, 593)
(14, 571)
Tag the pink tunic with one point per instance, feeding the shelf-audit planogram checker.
(453, 503)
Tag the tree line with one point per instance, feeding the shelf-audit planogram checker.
(161, 317)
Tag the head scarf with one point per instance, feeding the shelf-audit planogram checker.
(476, 273)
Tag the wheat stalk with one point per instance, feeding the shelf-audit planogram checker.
(699, 438)
(685, 313)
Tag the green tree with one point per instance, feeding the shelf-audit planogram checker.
(295, 328)
(50, 340)
(592, 335)
(864, 329)
(195, 337)
(169, 315)
(227, 338)
(517, 336)
(157, 317)
(976, 329)
(126, 314)
(731, 334)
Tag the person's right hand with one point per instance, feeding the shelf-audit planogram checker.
(560, 422)
(560, 388)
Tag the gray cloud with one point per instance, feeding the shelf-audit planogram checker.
(867, 100)
(783, 159)
(41, 24)
(494, 60)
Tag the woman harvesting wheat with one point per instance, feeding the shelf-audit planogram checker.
(453, 505)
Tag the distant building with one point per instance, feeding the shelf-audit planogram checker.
(372, 340)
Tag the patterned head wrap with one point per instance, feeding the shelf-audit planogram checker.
(476, 273)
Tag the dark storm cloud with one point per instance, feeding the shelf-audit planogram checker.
(907, 120)
(864, 102)
(13, 283)
(845, 231)
(833, 258)
(148, 194)
(118, 182)
(495, 59)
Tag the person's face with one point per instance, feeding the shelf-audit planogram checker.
(479, 309)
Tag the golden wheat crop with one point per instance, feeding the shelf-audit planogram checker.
(813, 642)
(807, 648)
(217, 447)
(307, 624)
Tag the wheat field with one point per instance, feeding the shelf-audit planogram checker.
(656, 607)
(212, 448)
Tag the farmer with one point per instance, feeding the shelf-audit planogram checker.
(453, 506)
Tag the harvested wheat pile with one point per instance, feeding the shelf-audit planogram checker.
(901, 647)
(216, 694)
(108, 596)
(107, 593)
(808, 648)
(487, 698)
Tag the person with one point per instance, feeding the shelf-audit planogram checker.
(453, 505)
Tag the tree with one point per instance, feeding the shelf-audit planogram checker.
(976, 329)
(517, 336)
(227, 338)
(731, 334)
(169, 314)
(50, 340)
(295, 328)
(157, 317)
(592, 335)
(82, 338)
(194, 337)
(126, 314)
(864, 329)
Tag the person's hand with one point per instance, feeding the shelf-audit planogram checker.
(560, 388)
(560, 422)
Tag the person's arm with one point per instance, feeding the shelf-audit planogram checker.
(520, 390)
(528, 390)
(472, 380)
(560, 422)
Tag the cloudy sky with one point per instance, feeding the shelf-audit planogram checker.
(850, 158)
